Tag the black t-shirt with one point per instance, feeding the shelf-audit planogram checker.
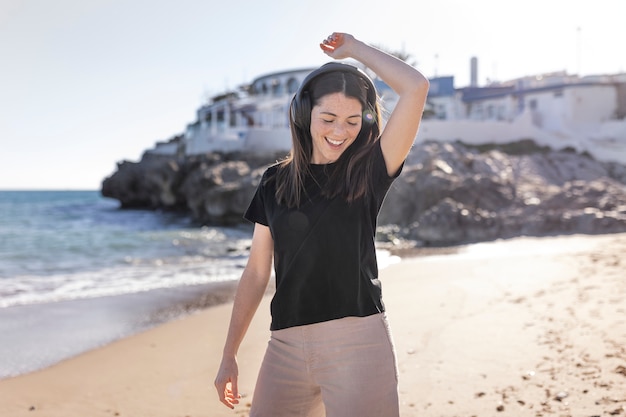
(324, 251)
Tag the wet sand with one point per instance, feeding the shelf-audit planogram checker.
(524, 327)
(40, 335)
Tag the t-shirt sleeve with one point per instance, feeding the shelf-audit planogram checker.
(256, 210)
(380, 168)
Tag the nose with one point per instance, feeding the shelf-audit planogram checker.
(340, 130)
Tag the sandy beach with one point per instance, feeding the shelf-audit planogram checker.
(523, 327)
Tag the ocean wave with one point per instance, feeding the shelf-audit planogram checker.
(138, 276)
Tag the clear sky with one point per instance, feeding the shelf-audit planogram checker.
(87, 83)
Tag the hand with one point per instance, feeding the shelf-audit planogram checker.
(226, 382)
(337, 45)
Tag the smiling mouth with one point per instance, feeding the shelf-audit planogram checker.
(335, 143)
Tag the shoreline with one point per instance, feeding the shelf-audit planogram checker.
(73, 327)
(529, 326)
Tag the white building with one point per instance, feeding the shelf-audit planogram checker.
(255, 118)
(555, 109)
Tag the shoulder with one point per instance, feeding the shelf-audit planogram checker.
(269, 176)
(270, 172)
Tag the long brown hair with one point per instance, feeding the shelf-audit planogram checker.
(351, 175)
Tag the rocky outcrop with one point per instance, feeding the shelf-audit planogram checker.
(448, 193)
(451, 193)
(150, 183)
(213, 189)
(219, 193)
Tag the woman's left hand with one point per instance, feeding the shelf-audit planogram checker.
(337, 45)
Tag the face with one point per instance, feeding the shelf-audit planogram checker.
(335, 123)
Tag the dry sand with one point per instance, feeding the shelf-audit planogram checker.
(526, 327)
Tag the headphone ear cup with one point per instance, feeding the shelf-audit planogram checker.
(293, 110)
(301, 110)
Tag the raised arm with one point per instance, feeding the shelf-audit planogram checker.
(410, 85)
(250, 290)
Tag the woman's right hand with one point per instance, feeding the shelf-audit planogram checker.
(337, 45)
(226, 382)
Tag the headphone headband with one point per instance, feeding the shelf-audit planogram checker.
(332, 67)
(301, 107)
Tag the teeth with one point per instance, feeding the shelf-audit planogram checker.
(335, 142)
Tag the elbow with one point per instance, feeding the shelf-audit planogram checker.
(417, 90)
(418, 87)
(422, 85)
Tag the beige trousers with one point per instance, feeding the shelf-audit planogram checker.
(339, 368)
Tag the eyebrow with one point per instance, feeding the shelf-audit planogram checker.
(334, 115)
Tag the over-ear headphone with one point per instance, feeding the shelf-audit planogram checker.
(301, 105)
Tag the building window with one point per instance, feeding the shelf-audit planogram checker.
(276, 88)
(292, 85)
(501, 113)
(477, 111)
(441, 112)
(532, 104)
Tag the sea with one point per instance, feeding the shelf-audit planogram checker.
(67, 245)
(78, 272)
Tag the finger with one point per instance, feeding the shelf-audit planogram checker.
(228, 404)
(326, 48)
(225, 398)
(234, 386)
(223, 393)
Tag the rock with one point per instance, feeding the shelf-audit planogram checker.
(448, 193)
(212, 188)
(151, 183)
(220, 194)
(561, 395)
(451, 193)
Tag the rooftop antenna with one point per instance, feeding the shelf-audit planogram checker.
(474, 72)
(578, 49)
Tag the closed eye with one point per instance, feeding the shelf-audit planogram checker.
(333, 120)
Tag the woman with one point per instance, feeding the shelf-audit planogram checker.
(330, 351)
